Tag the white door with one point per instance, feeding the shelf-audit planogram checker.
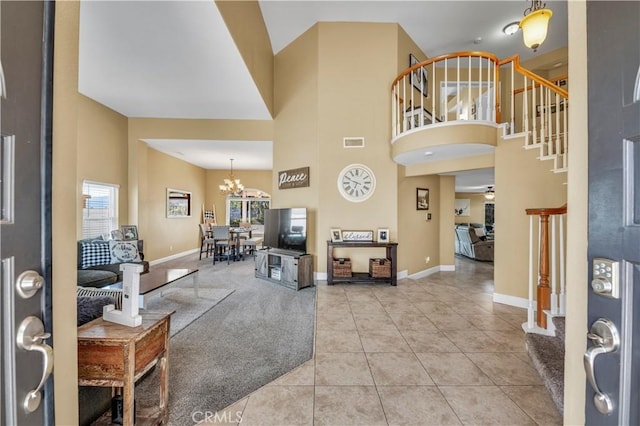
(26, 391)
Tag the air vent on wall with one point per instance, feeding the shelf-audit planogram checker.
(353, 142)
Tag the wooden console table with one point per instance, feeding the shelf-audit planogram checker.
(391, 254)
(114, 355)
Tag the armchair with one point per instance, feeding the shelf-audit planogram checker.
(469, 244)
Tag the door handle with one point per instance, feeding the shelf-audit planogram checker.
(605, 339)
(31, 337)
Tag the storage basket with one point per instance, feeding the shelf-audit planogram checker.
(380, 268)
(342, 267)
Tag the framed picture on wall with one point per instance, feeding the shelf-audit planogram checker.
(462, 207)
(422, 199)
(419, 77)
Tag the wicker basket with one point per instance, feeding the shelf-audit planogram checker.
(380, 268)
(342, 267)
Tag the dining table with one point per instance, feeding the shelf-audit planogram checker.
(236, 234)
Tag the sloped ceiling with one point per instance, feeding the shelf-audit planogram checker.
(176, 59)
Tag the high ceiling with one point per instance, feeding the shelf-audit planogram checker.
(176, 59)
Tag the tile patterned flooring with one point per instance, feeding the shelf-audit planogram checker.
(431, 351)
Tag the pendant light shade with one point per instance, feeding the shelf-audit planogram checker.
(535, 24)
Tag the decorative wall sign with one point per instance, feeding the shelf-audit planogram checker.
(357, 235)
(294, 178)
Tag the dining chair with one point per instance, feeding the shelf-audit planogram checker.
(222, 242)
(207, 243)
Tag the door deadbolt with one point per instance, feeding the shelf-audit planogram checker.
(28, 284)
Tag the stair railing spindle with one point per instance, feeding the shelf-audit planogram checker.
(530, 309)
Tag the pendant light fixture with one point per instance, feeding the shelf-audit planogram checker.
(232, 186)
(535, 24)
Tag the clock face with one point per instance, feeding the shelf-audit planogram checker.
(356, 182)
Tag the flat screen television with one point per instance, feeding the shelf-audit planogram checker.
(286, 229)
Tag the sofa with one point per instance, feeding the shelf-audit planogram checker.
(471, 242)
(99, 260)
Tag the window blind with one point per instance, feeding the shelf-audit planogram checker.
(100, 208)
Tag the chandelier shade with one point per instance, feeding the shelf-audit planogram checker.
(535, 24)
(232, 186)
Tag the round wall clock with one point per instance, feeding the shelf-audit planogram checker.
(356, 182)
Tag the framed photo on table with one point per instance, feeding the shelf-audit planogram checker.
(383, 235)
(129, 232)
(336, 236)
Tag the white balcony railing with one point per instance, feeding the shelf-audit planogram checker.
(476, 86)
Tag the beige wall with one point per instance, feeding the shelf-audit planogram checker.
(296, 139)
(420, 237)
(522, 181)
(476, 210)
(246, 25)
(165, 236)
(102, 152)
(577, 265)
(447, 233)
(345, 109)
(66, 192)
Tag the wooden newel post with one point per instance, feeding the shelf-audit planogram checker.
(544, 291)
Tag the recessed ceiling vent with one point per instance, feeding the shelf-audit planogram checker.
(353, 142)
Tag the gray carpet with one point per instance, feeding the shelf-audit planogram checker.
(256, 334)
(186, 305)
(547, 355)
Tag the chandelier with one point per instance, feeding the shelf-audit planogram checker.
(490, 194)
(535, 23)
(232, 186)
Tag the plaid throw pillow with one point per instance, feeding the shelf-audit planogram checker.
(95, 253)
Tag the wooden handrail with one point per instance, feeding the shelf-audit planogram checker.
(532, 86)
(540, 80)
(546, 211)
(476, 54)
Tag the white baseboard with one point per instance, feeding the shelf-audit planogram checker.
(519, 302)
(320, 276)
(432, 270)
(172, 257)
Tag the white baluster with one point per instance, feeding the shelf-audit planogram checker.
(563, 297)
(513, 101)
(554, 295)
(444, 102)
(458, 111)
(530, 307)
(525, 112)
(469, 97)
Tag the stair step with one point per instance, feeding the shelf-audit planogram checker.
(547, 356)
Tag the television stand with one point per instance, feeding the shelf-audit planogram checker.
(288, 268)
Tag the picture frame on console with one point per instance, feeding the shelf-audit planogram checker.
(129, 232)
(336, 235)
(383, 235)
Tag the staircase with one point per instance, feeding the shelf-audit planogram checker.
(547, 355)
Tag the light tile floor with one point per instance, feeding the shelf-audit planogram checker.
(431, 351)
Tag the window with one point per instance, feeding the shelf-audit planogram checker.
(246, 210)
(100, 208)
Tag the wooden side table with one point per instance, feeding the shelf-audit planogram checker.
(114, 355)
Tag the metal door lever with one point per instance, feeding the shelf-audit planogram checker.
(606, 339)
(31, 337)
